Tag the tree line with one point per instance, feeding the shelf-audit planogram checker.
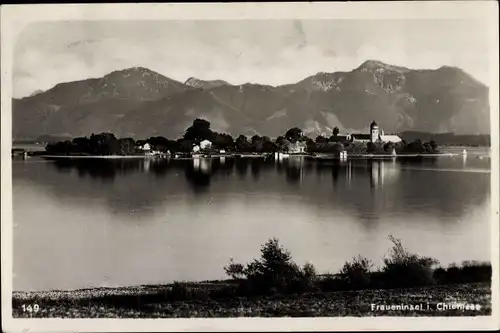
(109, 144)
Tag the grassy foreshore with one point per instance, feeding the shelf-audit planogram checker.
(159, 302)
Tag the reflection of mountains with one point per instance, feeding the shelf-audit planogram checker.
(368, 188)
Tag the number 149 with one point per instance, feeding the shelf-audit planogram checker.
(30, 308)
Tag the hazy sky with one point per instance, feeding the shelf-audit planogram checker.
(268, 51)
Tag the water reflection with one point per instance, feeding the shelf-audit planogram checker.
(367, 186)
(382, 171)
(203, 211)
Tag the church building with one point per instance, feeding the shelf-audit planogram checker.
(376, 135)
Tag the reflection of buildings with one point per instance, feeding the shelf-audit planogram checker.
(295, 168)
(348, 170)
(147, 164)
(382, 172)
(202, 165)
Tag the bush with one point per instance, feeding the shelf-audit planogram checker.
(234, 270)
(331, 283)
(403, 269)
(467, 273)
(274, 272)
(476, 272)
(356, 274)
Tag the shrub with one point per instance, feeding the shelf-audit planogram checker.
(466, 273)
(404, 269)
(331, 283)
(476, 272)
(274, 272)
(234, 270)
(356, 274)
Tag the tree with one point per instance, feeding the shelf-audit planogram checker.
(275, 271)
(158, 141)
(279, 140)
(338, 147)
(370, 147)
(269, 147)
(223, 141)
(434, 146)
(104, 144)
(127, 146)
(234, 270)
(416, 147)
(199, 131)
(293, 134)
(256, 143)
(356, 274)
(242, 144)
(428, 148)
(185, 146)
(255, 138)
(405, 269)
(335, 131)
(321, 139)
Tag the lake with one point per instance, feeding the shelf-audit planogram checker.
(96, 223)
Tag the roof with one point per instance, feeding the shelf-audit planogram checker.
(340, 136)
(361, 136)
(390, 138)
(373, 124)
(300, 144)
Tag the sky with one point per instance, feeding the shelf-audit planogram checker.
(270, 52)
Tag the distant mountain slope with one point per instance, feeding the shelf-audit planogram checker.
(197, 83)
(138, 102)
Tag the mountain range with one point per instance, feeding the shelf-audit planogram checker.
(139, 103)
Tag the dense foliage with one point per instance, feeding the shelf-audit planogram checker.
(276, 272)
(108, 144)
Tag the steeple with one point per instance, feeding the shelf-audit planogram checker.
(374, 133)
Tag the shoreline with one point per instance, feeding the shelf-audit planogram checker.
(319, 156)
(157, 302)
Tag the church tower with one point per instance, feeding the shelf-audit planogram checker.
(374, 132)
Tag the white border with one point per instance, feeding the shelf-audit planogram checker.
(15, 17)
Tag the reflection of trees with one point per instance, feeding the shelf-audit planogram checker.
(335, 173)
(160, 168)
(103, 169)
(397, 191)
(197, 178)
(242, 166)
(294, 169)
(255, 166)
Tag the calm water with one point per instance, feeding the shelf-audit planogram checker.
(128, 222)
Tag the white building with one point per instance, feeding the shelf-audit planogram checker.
(146, 147)
(205, 144)
(298, 147)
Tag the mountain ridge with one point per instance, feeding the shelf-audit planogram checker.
(139, 102)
